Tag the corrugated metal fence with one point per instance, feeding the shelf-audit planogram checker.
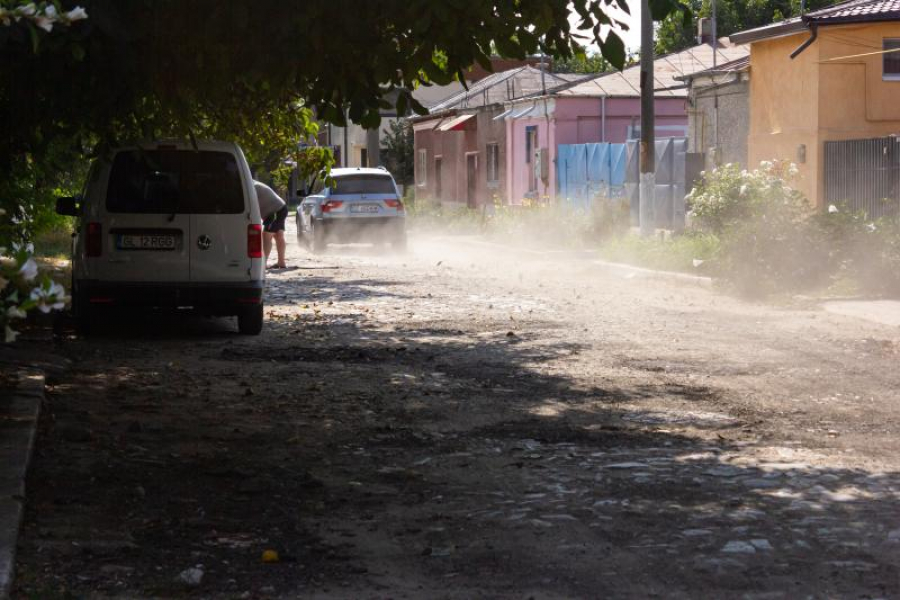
(864, 175)
(586, 171)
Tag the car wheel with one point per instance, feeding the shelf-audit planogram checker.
(250, 320)
(317, 239)
(300, 237)
(399, 243)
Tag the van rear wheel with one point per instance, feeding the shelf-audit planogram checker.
(250, 320)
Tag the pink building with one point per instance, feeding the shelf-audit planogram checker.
(605, 108)
(500, 138)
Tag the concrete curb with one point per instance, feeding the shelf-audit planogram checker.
(629, 271)
(619, 269)
(18, 429)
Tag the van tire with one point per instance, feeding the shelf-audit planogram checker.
(250, 320)
(82, 314)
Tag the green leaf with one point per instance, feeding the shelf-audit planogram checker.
(613, 50)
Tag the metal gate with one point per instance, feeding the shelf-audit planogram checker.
(670, 182)
(864, 176)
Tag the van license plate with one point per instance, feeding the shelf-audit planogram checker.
(364, 208)
(145, 242)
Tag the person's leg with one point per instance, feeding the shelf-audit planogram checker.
(280, 246)
(267, 245)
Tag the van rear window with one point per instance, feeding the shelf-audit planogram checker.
(175, 181)
(363, 184)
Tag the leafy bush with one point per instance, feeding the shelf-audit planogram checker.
(770, 237)
(866, 252)
(23, 289)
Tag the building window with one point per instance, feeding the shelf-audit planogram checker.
(892, 58)
(363, 157)
(493, 164)
(530, 148)
(422, 167)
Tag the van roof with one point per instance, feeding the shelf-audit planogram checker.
(207, 145)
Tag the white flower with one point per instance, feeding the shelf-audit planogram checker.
(77, 14)
(28, 10)
(44, 23)
(832, 208)
(743, 190)
(29, 270)
(29, 248)
(14, 312)
(870, 226)
(50, 297)
(50, 12)
(10, 335)
(698, 262)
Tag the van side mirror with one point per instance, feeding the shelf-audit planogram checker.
(67, 205)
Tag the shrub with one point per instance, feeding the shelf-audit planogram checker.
(770, 238)
(23, 288)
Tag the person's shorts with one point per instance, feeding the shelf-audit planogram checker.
(274, 223)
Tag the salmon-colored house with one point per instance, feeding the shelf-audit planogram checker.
(819, 82)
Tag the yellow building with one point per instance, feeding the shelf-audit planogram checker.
(833, 74)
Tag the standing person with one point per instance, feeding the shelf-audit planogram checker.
(274, 223)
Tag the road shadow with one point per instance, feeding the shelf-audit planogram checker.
(371, 456)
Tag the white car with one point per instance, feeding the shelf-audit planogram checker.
(169, 225)
(358, 205)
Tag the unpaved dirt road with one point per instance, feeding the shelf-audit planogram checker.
(467, 422)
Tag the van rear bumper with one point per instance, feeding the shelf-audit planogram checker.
(225, 298)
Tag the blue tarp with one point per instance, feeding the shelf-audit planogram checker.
(585, 171)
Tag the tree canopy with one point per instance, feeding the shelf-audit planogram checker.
(260, 72)
(677, 33)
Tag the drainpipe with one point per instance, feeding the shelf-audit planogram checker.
(814, 33)
(603, 119)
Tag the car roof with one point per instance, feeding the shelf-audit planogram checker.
(344, 171)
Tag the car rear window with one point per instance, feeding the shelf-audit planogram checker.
(175, 181)
(363, 184)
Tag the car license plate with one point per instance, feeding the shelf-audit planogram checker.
(145, 242)
(364, 208)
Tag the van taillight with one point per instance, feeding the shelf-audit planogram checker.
(398, 204)
(254, 241)
(93, 244)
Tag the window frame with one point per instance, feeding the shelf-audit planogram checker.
(492, 166)
(422, 167)
(895, 42)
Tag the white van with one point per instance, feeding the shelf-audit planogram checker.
(169, 225)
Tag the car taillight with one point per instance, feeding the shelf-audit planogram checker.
(254, 241)
(93, 244)
(398, 204)
(331, 205)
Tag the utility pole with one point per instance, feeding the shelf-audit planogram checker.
(648, 139)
